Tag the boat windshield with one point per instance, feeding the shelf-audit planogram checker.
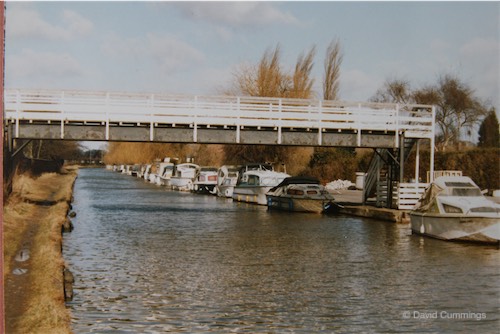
(271, 181)
(486, 209)
(465, 192)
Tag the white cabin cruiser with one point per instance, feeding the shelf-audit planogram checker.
(206, 180)
(165, 171)
(183, 176)
(255, 181)
(227, 177)
(453, 208)
(301, 194)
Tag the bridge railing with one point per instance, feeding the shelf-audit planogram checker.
(142, 108)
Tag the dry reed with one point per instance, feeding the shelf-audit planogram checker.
(44, 309)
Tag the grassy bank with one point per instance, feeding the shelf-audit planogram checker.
(33, 216)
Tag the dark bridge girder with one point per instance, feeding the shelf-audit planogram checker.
(206, 135)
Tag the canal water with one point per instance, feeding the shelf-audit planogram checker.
(150, 260)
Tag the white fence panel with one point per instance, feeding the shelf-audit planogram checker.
(409, 193)
(87, 106)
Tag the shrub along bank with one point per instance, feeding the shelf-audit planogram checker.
(481, 165)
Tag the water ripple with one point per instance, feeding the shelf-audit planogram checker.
(154, 261)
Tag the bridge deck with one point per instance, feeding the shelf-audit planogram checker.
(84, 115)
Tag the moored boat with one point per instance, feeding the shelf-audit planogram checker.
(227, 177)
(183, 176)
(255, 181)
(206, 180)
(453, 208)
(165, 171)
(301, 194)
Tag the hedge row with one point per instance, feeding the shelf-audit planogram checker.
(481, 165)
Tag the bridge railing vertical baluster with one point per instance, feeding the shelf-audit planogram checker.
(238, 110)
(151, 103)
(280, 109)
(396, 139)
(357, 118)
(106, 103)
(61, 102)
(18, 111)
(195, 123)
(320, 130)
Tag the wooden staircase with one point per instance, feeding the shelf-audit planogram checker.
(383, 174)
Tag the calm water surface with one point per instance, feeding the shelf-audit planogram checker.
(149, 260)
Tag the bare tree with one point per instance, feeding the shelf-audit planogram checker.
(268, 79)
(301, 80)
(271, 81)
(332, 64)
(458, 110)
(265, 79)
(245, 81)
(394, 91)
(53, 149)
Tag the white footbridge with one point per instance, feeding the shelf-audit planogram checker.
(391, 130)
(112, 116)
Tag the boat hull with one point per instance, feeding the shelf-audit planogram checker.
(225, 191)
(204, 188)
(457, 228)
(251, 194)
(181, 183)
(295, 204)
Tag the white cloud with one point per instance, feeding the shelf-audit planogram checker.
(356, 85)
(172, 53)
(166, 52)
(27, 23)
(481, 60)
(77, 24)
(235, 14)
(31, 66)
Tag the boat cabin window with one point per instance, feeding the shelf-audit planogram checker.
(451, 209)
(294, 192)
(253, 180)
(312, 192)
(459, 185)
(486, 209)
(468, 192)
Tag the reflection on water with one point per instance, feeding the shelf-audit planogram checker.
(151, 260)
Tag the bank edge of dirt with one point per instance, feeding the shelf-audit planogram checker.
(34, 269)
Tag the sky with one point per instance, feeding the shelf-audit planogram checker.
(195, 48)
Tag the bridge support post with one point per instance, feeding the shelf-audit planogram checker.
(433, 138)
(417, 163)
(401, 158)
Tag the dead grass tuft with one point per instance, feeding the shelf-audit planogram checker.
(44, 310)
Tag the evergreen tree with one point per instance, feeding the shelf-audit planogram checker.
(489, 135)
